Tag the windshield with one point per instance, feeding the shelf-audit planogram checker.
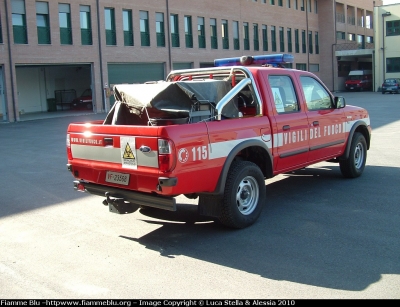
(355, 77)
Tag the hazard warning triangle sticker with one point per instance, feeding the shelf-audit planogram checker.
(128, 152)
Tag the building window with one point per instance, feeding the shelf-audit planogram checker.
(246, 40)
(281, 40)
(273, 38)
(213, 33)
(352, 37)
(42, 23)
(144, 28)
(160, 30)
(302, 5)
(289, 39)
(188, 32)
(265, 37)
(174, 30)
(303, 42)
(109, 18)
(301, 66)
(393, 28)
(296, 41)
(316, 43)
(225, 34)
(19, 22)
(86, 27)
(272, 2)
(368, 21)
(201, 32)
(361, 41)
(64, 15)
(310, 42)
(288, 4)
(340, 35)
(370, 39)
(255, 37)
(236, 43)
(280, 2)
(127, 27)
(316, 6)
(296, 4)
(393, 65)
(309, 6)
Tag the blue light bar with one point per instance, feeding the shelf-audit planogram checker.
(270, 59)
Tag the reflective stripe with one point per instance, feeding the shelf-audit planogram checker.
(222, 149)
(346, 128)
(112, 155)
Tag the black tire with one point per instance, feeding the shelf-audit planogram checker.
(354, 165)
(383, 93)
(244, 195)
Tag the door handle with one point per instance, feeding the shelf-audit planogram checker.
(108, 141)
(286, 127)
(315, 123)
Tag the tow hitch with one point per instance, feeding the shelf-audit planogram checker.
(118, 205)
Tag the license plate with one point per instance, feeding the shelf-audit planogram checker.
(352, 88)
(118, 178)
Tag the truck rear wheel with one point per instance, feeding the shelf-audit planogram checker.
(244, 195)
(354, 165)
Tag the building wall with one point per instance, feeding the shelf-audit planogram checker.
(386, 46)
(99, 55)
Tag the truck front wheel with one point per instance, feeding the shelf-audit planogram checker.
(354, 165)
(244, 195)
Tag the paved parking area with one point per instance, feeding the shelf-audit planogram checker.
(319, 235)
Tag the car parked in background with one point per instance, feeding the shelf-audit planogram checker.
(359, 80)
(391, 85)
(84, 101)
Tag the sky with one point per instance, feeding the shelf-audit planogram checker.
(390, 1)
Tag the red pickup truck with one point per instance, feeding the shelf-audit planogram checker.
(215, 134)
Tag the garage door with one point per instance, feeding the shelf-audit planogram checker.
(177, 66)
(135, 73)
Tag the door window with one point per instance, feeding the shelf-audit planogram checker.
(317, 97)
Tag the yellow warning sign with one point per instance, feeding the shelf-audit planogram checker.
(128, 154)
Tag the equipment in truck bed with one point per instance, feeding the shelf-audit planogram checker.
(165, 103)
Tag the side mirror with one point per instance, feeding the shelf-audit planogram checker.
(340, 102)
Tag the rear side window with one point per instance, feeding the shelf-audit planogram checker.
(317, 97)
(284, 94)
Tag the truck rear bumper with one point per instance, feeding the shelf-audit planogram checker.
(137, 198)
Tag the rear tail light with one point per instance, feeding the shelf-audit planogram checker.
(166, 155)
(69, 152)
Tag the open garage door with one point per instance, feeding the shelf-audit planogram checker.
(50, 88)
